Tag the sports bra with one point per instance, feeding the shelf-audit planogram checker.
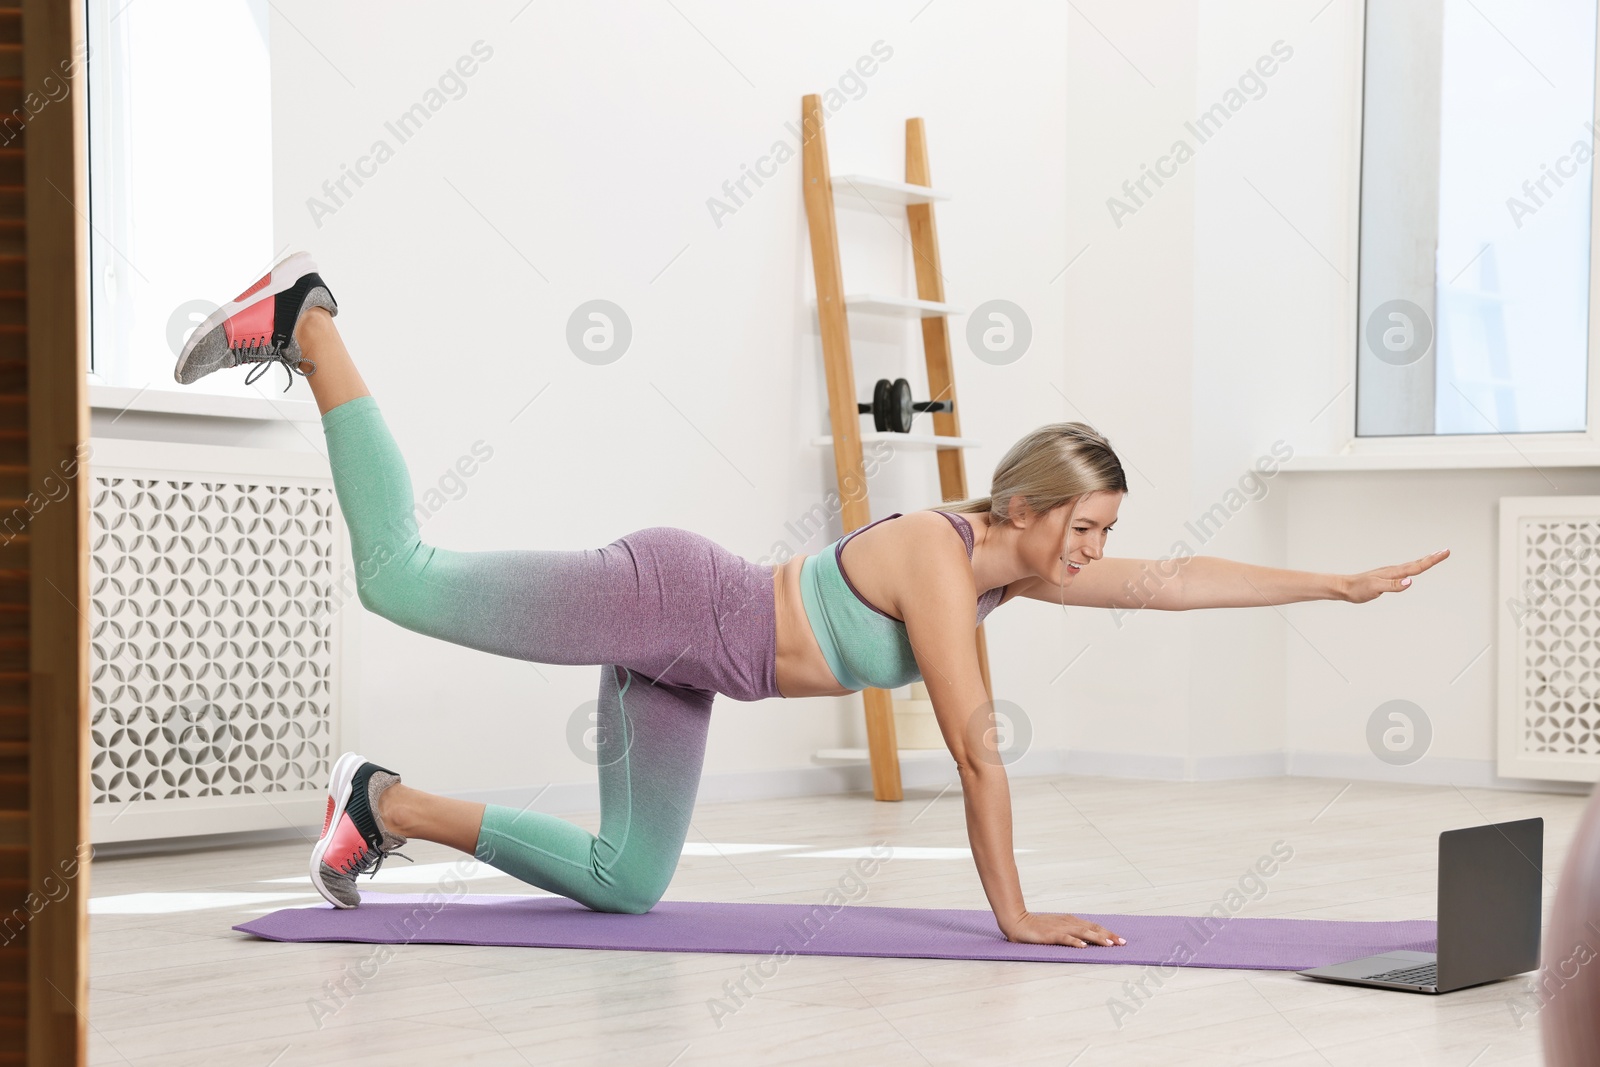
(864, 646)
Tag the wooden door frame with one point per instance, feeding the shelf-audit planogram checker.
(56, 197)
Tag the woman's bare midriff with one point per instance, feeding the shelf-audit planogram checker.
(802, 670)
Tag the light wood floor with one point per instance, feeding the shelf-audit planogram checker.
(178, 987)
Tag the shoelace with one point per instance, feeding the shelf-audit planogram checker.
(265, 353)
(357, 869)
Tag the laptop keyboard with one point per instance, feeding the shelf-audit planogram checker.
(1425, 974)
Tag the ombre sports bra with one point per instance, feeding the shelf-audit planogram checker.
(866, 647)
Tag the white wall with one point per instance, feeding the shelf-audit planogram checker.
(1198, 334)
(1175, 356)
(591, 141)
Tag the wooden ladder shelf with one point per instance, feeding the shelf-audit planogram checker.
(917, 195)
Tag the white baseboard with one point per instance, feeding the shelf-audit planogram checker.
(933, 774)
(1430, 770)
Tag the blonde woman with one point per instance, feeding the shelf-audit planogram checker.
(674, 619)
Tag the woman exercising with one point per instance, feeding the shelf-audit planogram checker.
(674, 619)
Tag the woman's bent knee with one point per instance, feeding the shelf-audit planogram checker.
(627, 898)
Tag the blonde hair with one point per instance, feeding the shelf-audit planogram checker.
(1054, 465)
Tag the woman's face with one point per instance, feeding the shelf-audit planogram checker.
(1073, 535)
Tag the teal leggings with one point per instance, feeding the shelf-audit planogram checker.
(671, 617)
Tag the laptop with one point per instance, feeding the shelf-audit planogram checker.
(1490, 907)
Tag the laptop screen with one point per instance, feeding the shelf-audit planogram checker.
(1489, 901)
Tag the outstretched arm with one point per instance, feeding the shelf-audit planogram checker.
(1185, 582)
(1213, 582)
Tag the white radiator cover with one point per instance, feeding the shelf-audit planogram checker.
(1549, 632)
(218, 590)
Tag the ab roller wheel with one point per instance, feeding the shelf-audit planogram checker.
(892, 408)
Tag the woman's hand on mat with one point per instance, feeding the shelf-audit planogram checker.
(1046, 929)
(1360, 588)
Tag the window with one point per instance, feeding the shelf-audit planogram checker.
(1478, 139)
(180, 178)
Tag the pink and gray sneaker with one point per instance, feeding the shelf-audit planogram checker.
(257, 326)
(354, 840)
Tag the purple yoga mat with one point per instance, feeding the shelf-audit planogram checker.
(850, 930)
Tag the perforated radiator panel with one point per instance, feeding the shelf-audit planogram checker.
(1550, 637)
(211, 667)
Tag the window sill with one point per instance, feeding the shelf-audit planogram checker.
(1502, 458)
(172, 402)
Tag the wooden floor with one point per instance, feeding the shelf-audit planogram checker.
(171, 984)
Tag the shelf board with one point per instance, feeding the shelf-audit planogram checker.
(857, 187)
(878, 304)
(914, 440)
(859, 755)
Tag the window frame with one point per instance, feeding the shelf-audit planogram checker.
(115, 380)
(1492, 448)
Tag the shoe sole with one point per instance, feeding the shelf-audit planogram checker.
(344, 771)
(285, 273)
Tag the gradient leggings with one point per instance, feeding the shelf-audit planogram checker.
(672, 618)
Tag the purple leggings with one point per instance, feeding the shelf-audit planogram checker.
(672, 606)
(672, 617)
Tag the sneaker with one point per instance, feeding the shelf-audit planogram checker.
(257, 326)
(354, 841)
